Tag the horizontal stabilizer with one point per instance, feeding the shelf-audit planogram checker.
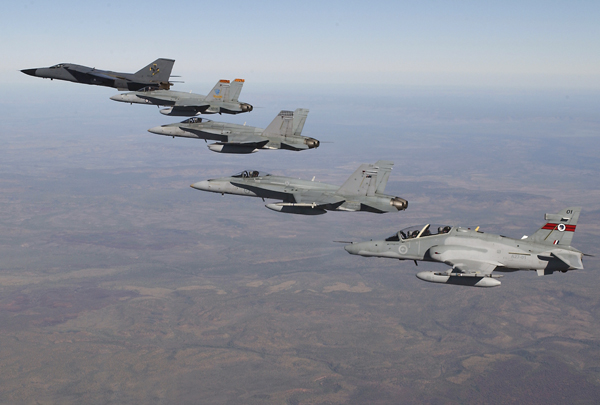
(571, 259)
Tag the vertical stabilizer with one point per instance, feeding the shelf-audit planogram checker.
(281, 125)
(235, 88)
(287, 123)
(219, 92)
(559, 228)
(158, 71)
(299, 119)
(362, 182)
(383, 175)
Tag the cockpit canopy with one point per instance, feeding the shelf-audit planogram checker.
(246, 174)
(193, 120)
(147, 88)
(420, 231)
(60, 65)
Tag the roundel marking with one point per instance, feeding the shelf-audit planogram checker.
(561, 227)
(402, 249)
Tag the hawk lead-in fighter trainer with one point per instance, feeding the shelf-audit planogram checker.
(156, 75)
(283, 133)
(474, 255)
(363, 191)
(223, 99)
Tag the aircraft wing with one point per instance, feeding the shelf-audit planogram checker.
(312, 198)
(212, 131)
(189, 104)
(259, 143)
(318, 198)
(156, 100)
(266, 190)
(257, 186)
(473, 267)
(101, 76)
(104, 76)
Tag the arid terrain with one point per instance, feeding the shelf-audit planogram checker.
(121, 284)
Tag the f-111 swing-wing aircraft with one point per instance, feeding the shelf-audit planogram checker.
(474, 255)
(363, 191)
(284, 132)
(223, 99)
(156, 75)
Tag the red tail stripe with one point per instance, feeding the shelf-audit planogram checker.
(569, 228)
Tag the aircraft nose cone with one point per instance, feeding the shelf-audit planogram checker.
(156, 130)
(117, 97)
(352, 248)
(30, 72)
(202, 185)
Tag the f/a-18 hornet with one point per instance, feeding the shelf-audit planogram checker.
(474, 255)
(282, 133)
(156, 75)
(223, 99)
(363, 191)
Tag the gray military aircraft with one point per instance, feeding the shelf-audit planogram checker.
(363, 191)
(474, 255)
(223, 99)
(284, 132)
(156, 75)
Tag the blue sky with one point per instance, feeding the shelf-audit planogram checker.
(498, 43)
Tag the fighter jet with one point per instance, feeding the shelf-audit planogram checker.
(474, 255)
(156, 75)
(283, 133)
(363, 191)
(223, 99)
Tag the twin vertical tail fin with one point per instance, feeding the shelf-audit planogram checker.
(221, 91)
(559, 228)
(287, 123)
(368, 179)
(235, 88)
(158, 71)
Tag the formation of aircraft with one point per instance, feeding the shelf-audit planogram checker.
(473, 256)
(284, 132)
(223, 99)
(155, 75)
(363, 191)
